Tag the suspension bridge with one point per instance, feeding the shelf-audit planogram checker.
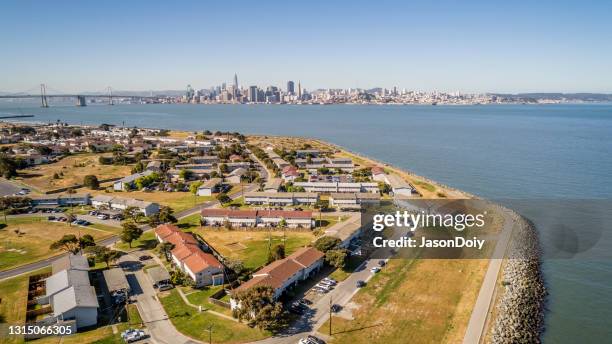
(46, 93)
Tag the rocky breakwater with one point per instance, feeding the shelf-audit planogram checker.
(520, 310)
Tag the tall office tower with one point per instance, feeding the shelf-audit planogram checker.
(290, 87)
(253, 94)
(299, 90)
(235, 81)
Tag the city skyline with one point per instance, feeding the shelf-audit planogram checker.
(474, 47)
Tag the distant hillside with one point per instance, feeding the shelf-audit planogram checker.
(587, 97)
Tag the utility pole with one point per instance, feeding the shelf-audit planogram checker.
(330, 316)
(210, 327)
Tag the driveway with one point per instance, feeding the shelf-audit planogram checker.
(7, 188)
(159, 327)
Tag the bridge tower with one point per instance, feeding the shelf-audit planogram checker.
(81, 101)
(110, 95)
(43, 96)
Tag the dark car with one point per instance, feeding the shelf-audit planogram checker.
(145, 257)
(382, 262)
(336, 308)
(360, 284)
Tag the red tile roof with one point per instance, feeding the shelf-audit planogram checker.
(200, 260)
(165, 230)
(179, 238)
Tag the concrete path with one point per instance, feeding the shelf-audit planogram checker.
(477, 325)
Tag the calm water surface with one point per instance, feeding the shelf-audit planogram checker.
(519, 152)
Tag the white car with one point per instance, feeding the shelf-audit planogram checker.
(375, 269)
(133, 335)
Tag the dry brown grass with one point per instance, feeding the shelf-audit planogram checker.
(428, 301)
(74, 169)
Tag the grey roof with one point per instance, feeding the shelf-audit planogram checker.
(64, 279)
(102, 198)
(212, 182)
(115, 280)
(134, 176)
(71, 261)
(158, 274)
(74, 297)
(398, 182)
(273, 184)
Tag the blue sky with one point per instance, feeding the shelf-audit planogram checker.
(470, 46)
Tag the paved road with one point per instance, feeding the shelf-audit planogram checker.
(7, 188)
(24, 269)
(159, 326)
(476, 326)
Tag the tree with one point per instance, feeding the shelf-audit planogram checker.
(193, 188)
(130, 233)
(104, 254)
(68, 243)
(132, 213)
(165, 248)
(384, 188)
(166, 215)
(259, 308)
(223, 198)
(8, 167)
(91, 182)
(277, 252)
(86, 241)
(336, 257)
(327, 243)
(186, 174)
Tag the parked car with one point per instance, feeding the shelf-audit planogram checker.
(51, 218)
(382, 262)
(360, 284)
(102, 217)
(132, 335)
(336, 308)
(311, 340)
(375, 269)
(144, 257)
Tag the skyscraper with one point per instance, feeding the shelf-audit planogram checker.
(253, 94)
(299, 90)
(290, 87)
(235, 92)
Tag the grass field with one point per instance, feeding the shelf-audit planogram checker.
(190, 322)
(74, 169)
(178, 201)
(35, 236)
(200, 297)
(427, 300)
(251, 247)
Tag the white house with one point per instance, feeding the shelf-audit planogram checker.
(129, 180)
(118, 203)
(209, 187)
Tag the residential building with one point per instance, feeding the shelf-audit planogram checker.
(281, 198)
(348, 201)
(252, 218)
(209, 187)
(285, 273)
(129, 180)
(329, 187)
(187, 255)
(235, 176)
(272, 185)
(120, 204)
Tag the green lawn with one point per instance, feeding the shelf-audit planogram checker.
(352, 264)
(26, 239)
(200, 297)
(193, 323)
(251, 247)
(146, 241)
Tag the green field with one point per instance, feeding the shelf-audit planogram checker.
(192, 323)
(26, 239)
